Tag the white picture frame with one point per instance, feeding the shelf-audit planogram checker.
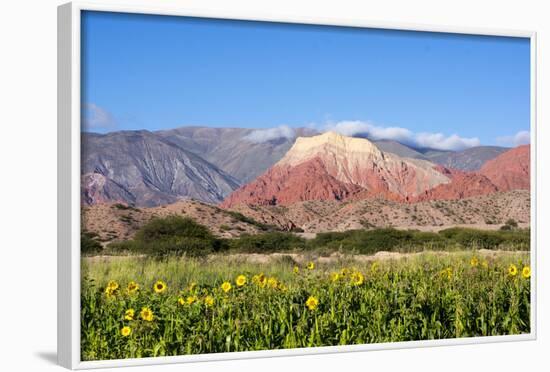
(69, 116)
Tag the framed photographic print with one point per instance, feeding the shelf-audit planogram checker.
(242, 186)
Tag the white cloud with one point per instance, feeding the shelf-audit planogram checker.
(265, 135)
(522, 137)
(95, 117)
(441, 142)
(437, 141)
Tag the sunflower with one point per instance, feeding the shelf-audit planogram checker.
(126, 331)
(129, 314)
(240, 281)
(191, 287)
(146, 314)
(334, 276)
(181, 301)
(526, 272)
(310, 266)
(132, 287)
(512, 270)
(160, 286)
(474, 261)
(111, 288)
(357, 278)
(296, 270)
(272, 282)
(209, 301)
(190, 300)
(312, 303)
(260, 280)
(226, 287)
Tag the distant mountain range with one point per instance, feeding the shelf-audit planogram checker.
(335, 167)
(145, 168)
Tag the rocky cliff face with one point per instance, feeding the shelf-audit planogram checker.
(334, 167)
(140, 168)
(511, 170)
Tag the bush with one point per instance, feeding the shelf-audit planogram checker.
(267, 243)
(171, 235)
(89, 244)
(371, 241)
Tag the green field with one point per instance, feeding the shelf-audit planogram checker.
(285, 304)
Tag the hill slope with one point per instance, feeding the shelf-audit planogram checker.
(140, 168)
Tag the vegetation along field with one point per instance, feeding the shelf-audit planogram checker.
(140, 307)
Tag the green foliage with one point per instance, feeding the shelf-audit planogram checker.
(172, 235)
(421, 298)
(372, 241)
(89, 244)
(267, 243)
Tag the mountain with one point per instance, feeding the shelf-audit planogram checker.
(334, 167)
(483, 211)
(141, 168)
(242, 153)
(471, 159)
(510, 170)
(399, 149)
(116, 221)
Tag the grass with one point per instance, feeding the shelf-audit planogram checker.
(427, 296)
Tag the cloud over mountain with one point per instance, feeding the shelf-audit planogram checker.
(270, 134)
(522, 137)
(437, 141)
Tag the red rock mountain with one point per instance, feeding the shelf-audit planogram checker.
(334, 167)
(510, 170)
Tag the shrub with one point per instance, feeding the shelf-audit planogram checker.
(89, 244)
(171, 235)
(267, 242)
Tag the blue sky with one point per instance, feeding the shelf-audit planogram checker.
(159, 72)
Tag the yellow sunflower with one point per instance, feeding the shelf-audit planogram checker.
(146, 314)
(357, 278)
(512, 270)
(526, 272)
(334, 276)
(113, 285)
(312, 303)
(129, 314)
(474, 261)
(226, 287)
(240, 281)
(160, 286)
(191, 300)
(209, 301)
(296, 270)
(126, 331)
(181, 301)
(272, 282)
(132, 287)
(311, 266)
(111, 288)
